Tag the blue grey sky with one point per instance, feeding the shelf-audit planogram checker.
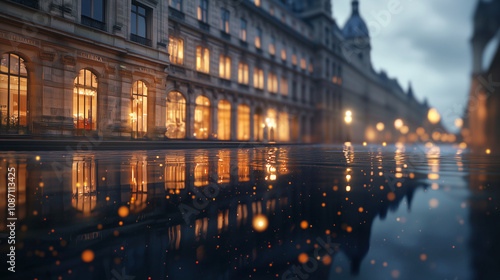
(422, 41)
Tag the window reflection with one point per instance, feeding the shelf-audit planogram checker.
(84, 185)
(201, 170)
(224, 168)
(175, 173)
(139, 184)
(243, 165)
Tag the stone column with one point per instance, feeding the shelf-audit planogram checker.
(252, 124)
(234, 121)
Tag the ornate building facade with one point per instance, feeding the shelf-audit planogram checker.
(261, 70)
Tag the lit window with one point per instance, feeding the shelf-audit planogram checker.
(224, 20)
(225, 67)
(243, 73)
(303, 63)
(258, 78)
(258, 38)
(311, 68)
(139, 115)
(176, 50)
(202, 118)
(294, 59)
(243, 128)
(224, 120)
(257, 3)
(13, 93)
(202, 59)
(243, 30)
(272, 49)
(283, 52)
(284, 86)
(175, 4)
(176, 116)
(271, 124)
(203, 11)
(85, 101)
(271, 11)
(283, 126)
(272, 83)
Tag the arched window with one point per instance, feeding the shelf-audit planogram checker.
(176, 115)
(224, 120)
(85, 101)
(202, 118)
(271, 124)
(243, 125)
(139, 115)
(13, 93)
(284, 127)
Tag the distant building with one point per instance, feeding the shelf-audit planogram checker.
(262, 70)
(483, 112)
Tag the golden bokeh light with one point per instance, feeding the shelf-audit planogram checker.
(433, 116)
(459, 123)
(404, 130)
(398, 124)
(260, 223)
(380, 126)
(304, 224)
(123, 211)
(88, 256)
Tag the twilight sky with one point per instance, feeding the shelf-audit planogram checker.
(425, 42)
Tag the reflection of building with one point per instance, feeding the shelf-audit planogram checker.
(483, 112)
(230, 70)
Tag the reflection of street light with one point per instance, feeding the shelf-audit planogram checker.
(348, 117)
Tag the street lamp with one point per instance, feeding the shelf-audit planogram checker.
(348, 120)
(348, 117)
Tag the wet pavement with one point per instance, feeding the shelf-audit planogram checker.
(319, 212)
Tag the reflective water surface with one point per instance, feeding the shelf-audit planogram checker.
(340, 212)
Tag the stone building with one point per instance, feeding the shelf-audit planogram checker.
(261, 70)
(483, 111)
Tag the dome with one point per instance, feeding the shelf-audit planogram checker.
(355, 26)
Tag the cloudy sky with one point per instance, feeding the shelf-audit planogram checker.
(425, 42)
